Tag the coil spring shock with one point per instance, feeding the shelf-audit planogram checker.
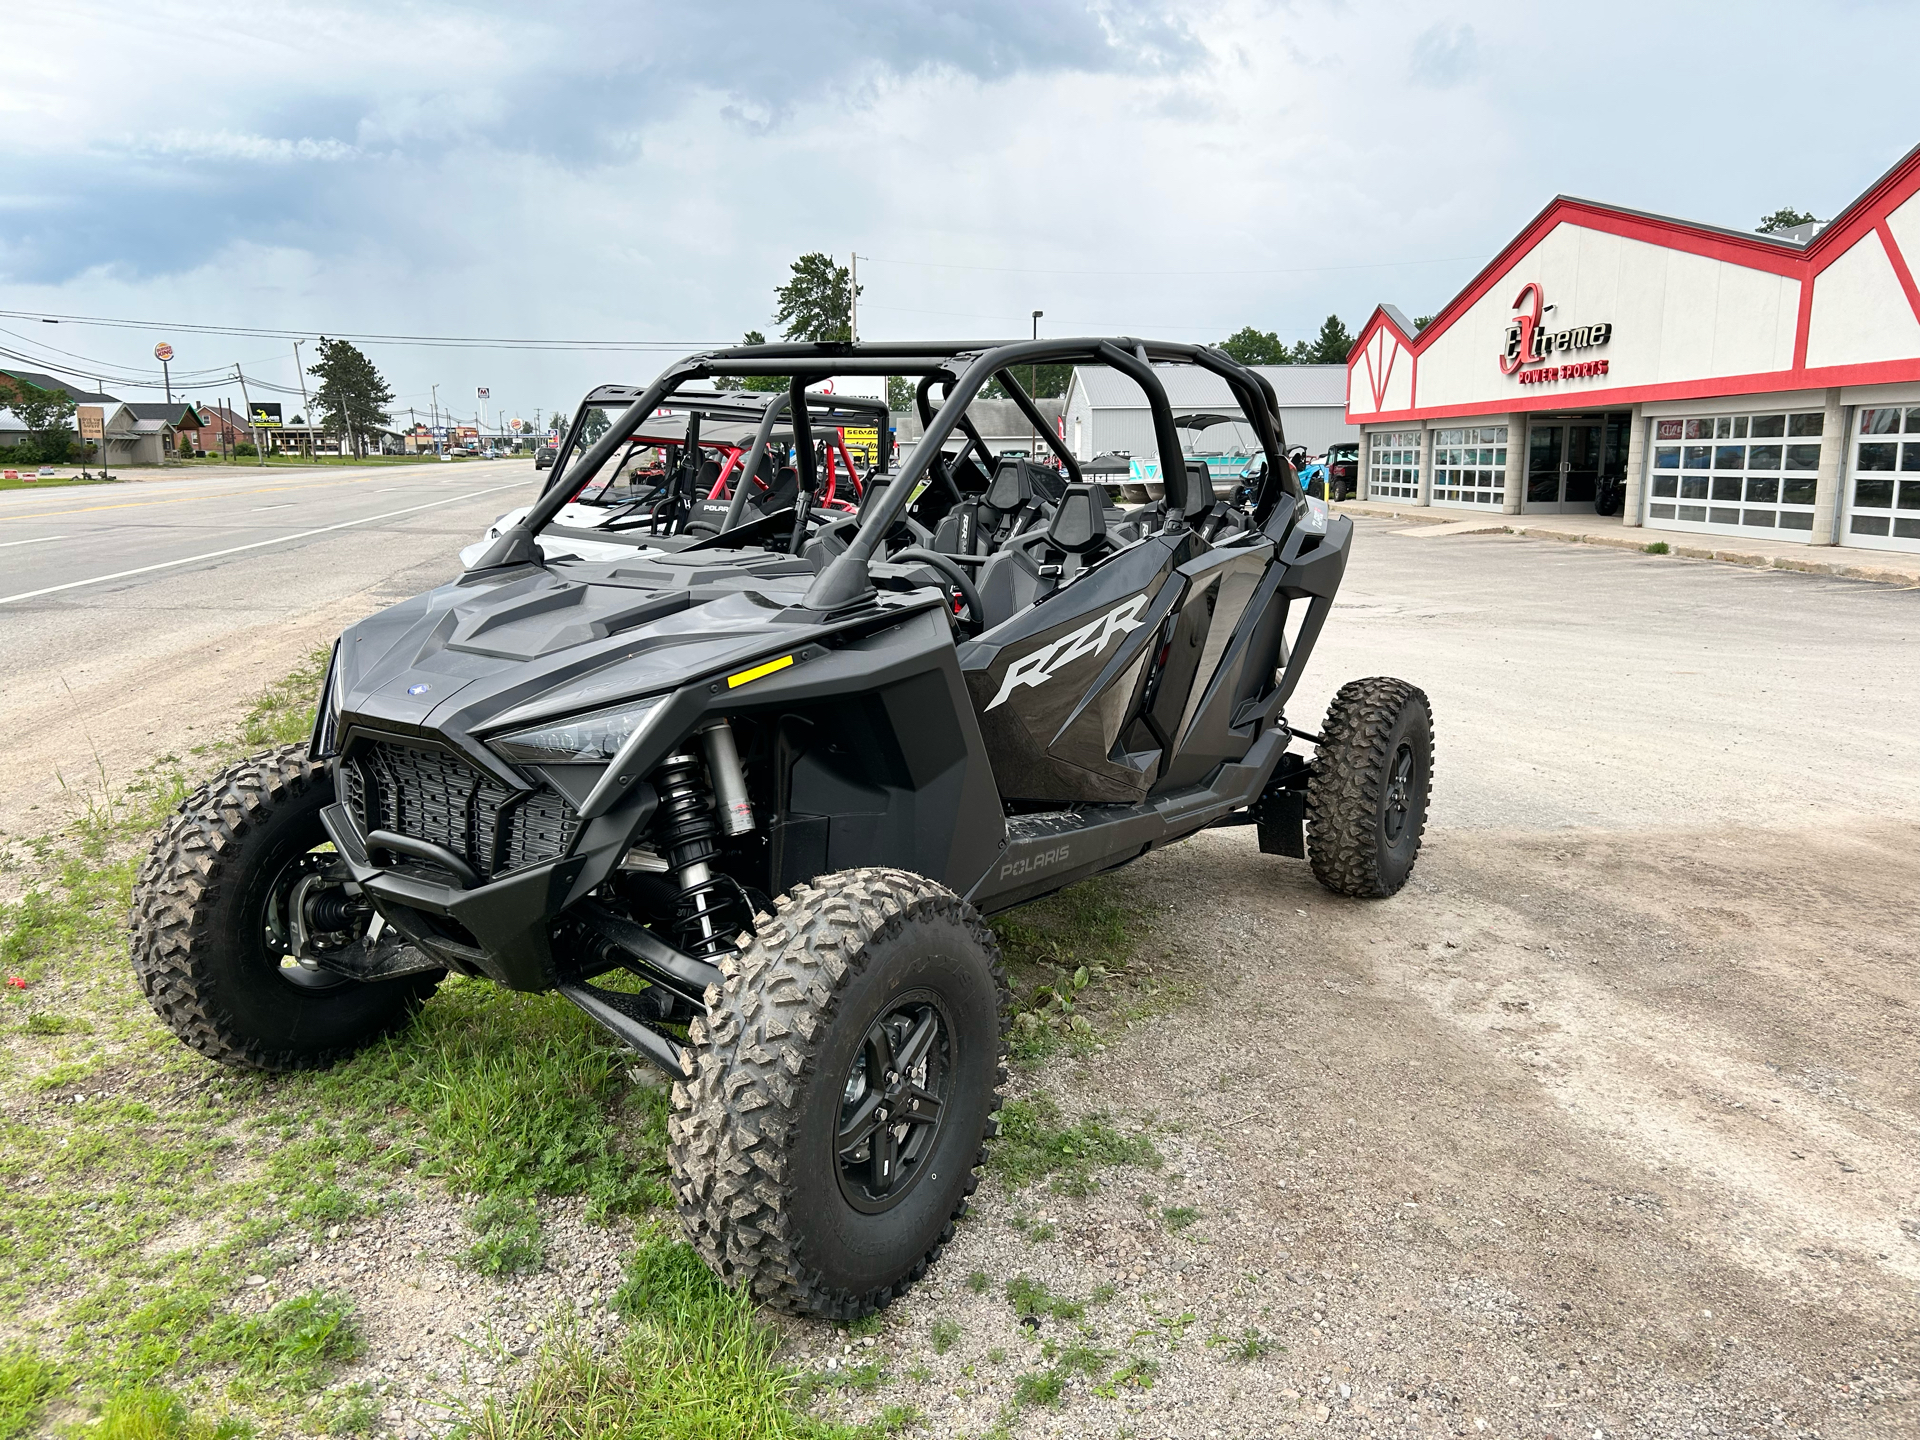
(711, 908)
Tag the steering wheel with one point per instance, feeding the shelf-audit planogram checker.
(954, 575)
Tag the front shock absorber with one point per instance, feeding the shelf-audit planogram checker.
(712, 908)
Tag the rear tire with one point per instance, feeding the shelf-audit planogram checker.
(1367, 795)
(202, 923)
(794, 1058)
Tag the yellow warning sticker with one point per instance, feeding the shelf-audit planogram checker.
(734, 682)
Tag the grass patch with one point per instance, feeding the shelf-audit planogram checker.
(696, 1362)
(1658, 547)
(284, 711)
(1178, 1217)
(945, 1334)
(509, 1243)
(1249, 1344)
(1034, 1144)
(1060, 951)
(26, 1383)
(1031, 1297)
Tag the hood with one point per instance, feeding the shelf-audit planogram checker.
(509, 648)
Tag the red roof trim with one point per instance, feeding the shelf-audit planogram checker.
(1878, 372)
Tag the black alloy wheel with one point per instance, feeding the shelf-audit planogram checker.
(839, 1092)
(1368, 789)
(893, 1104)
(232, 877)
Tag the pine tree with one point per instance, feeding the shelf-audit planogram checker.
(353, 395)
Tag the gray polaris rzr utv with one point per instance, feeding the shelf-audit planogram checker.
(746, 797)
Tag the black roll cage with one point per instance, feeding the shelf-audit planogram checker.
(846, 581)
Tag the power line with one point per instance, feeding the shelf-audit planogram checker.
(474, 342)
(1290, 270)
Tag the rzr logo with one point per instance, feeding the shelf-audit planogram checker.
(1090, 639)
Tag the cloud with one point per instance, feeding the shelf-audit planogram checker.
(1444, 56)
(257, 149)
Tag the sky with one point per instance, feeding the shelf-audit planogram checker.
(642, 176)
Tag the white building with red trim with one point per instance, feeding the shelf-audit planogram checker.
(1687, 377)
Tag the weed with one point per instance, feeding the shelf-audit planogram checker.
(45, 1022)
(1055, 948)
(1036, 1231)
(997, 1356)
(1170, 1328)
(1658, 547)
(1031, 1297)
(919, 1374)
(1035, 1144)
(1102, 1293)
(1039, 1387)
(1249, 1344)
(25, 1383)
(509, 1231)
(1179, 1217)
(865, 1377)
(944, 1333)
(977, 1282)
(868, 1325)
(1138, 1373)
(296, 1342)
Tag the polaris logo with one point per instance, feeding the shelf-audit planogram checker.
(1090, 639)
(1034, 864)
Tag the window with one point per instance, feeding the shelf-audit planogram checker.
(1393, 465)
(1470, 466)
(1751, 474)
(1883, 492)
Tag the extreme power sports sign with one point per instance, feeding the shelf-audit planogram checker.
(1529, 344)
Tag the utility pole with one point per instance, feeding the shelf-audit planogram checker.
(1033, 386)
(436, 419)
(252, 429)
(306, 405)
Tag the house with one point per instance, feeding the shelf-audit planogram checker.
(142, 433)
(1001, 423)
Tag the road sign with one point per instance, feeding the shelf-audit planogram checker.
(93, 421)
(266, 415)
(163, 352)
(483, 392)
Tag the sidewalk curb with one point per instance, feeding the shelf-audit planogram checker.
(1753, 560)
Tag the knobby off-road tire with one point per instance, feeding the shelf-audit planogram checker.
(200, 927)
(1367, 794)
(755, 1138)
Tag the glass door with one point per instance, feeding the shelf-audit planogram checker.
(1546, 459)
(1565, 460)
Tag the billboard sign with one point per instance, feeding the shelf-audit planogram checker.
(266, 415)
(483, 392)
(93, 421)
(163, 352)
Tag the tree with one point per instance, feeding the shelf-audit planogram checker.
(353, 395)
(1329, 347)
(557, 421)
(817, 303)
(47, 415)
(1420, 322)
(1256, 347)
(1044, 382)
(1785, 218)
(900, 392)
(754, 382)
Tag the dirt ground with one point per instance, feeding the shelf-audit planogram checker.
(1607, 1124)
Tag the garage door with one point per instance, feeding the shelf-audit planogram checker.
(1883, 490)
(1736, 474)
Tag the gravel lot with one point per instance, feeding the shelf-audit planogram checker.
(1605, 1125)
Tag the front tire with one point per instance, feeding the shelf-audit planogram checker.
(1367, 794)
(205, 926)
(840, 1093)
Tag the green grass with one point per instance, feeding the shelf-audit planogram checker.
(697, 1361)
(945, 1333)
(1035, 1144)
(53, 483)
(1179, 1217)
(26, 1382)
(1064, 953)
(509, 1243)
(1031, 1297)
(1658, 547)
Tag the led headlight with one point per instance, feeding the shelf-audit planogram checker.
(597, 735)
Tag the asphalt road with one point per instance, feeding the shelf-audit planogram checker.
(158, 608)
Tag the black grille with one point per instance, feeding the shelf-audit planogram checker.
(435, 796)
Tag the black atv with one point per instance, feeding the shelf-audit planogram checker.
(746, 798)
